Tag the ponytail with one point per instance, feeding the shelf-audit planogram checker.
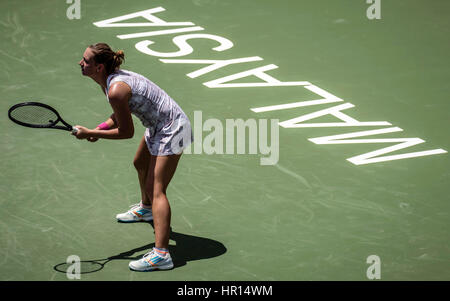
(118, 58)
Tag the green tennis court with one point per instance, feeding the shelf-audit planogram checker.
(355, 184)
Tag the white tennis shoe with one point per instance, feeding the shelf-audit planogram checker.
(153, 260)
(135, 214)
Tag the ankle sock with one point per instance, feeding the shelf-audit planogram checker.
(145, 206)
(160, 251)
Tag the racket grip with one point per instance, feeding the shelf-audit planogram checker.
(74, 130)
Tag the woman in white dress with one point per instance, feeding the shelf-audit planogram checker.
(167, 133)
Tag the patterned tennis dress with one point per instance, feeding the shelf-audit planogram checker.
(168, 130)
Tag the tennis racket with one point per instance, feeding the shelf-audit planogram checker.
(38, 115)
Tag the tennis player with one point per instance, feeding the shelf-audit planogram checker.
(168, 132)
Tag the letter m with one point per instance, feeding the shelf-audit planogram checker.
(374, 157)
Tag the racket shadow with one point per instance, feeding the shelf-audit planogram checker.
(187, 248)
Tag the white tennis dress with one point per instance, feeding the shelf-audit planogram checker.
(168, 130)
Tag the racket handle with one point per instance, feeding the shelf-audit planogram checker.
(74, 130)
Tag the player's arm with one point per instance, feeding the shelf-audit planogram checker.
(118, 95)
(110, 123)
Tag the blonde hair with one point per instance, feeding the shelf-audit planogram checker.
(103, 54)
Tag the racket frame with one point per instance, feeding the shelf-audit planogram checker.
(66, 127)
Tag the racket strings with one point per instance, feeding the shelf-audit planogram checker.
(34, 115)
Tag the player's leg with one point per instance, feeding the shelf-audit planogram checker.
(161, 171)
(142, 211)
(142, 162)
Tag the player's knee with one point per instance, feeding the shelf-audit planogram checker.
(158, 194)
(139, 165)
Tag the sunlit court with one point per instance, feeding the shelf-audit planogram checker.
(207, 140)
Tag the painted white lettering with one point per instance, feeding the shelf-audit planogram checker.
(147, 14)
(184, 47)
(336, 112)
(373, 157)
(214, 64)
(263, 80)
(259, 72)
(328, 98)
(159, 32)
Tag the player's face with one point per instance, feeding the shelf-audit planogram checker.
(87, 63)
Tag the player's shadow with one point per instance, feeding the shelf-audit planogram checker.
(186, 248)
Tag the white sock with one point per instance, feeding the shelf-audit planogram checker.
(161, 251)
(145, 206)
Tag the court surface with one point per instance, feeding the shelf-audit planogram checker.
(314, 215)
